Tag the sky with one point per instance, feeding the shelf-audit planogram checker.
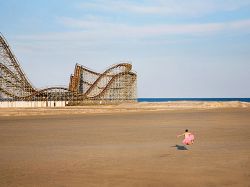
(178, 48)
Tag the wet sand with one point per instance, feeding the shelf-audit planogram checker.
(126, 149)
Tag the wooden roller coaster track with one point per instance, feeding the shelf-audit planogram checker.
(116, 84)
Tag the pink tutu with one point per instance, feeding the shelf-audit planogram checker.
(188, 140)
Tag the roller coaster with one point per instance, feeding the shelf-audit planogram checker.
(116, 84)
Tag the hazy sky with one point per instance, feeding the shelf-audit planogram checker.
(179, 48)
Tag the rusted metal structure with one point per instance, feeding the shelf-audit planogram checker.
(116, 84)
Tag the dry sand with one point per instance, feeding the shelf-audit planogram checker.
(126, 148)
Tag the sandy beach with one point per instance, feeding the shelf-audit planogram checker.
(126, 145)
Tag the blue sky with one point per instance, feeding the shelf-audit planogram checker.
(179, 48)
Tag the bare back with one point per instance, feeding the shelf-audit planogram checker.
(186, 134)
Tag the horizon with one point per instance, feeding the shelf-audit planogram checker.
(179, 49)
(193, 98)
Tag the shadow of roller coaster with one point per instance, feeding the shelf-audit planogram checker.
(116, 84)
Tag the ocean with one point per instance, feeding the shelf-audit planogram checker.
(191, 99)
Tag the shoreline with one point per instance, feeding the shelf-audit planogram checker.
(124, 108)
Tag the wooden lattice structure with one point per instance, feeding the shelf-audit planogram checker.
(116, 84)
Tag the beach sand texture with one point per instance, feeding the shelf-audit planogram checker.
(126, 149)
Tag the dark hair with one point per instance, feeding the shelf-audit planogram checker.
(186, 130)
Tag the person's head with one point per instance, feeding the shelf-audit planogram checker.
(186, 130)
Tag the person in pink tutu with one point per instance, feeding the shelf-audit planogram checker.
(188, 137)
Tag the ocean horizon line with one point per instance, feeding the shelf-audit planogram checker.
(219, 99)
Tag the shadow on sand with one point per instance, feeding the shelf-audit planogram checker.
(180, 147)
